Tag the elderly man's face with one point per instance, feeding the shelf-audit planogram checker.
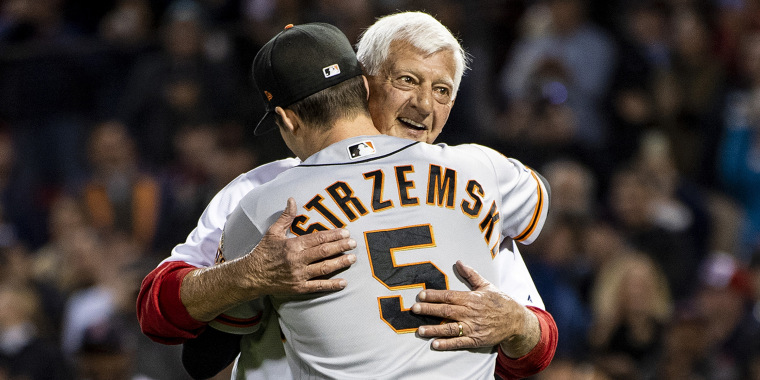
(412, 95)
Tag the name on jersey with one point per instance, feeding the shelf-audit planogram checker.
(440, 191)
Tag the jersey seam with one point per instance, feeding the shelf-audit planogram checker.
(359, 162)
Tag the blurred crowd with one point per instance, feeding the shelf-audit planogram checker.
(120, 119)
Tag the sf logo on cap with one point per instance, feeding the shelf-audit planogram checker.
(331, 71)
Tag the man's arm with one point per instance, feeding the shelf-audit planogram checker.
(277, 265)
(176, 299)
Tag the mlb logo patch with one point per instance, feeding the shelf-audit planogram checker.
(362, 149)
(331, 71)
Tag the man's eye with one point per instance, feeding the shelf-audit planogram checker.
(406, 79)
(442, 94)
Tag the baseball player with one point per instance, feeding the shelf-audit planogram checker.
(163, 315)
(417, 208)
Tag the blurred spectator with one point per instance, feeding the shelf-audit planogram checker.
(645, 51)
(685, 345)
(120, 196)
(180, 84)
(571, 60)
(207, 159)
(688, 96)
(20, 211)
(631, 307)
(602, 244)
(740, 147)
(45, 90)
(125, 34)
(67, 217)
(679, 204)
(574, 188)
(100, 335)
(735, 19)
(189, 180)
(351, 17)
(107, 353)
(127, 24)
(231, 159)
(723, 332)
(24, 352)
(554, 264)
(55, 266)
(632, 197)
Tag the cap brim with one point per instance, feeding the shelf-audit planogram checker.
(265, 125)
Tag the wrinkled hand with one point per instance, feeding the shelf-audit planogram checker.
(488, 317)
(282, 265)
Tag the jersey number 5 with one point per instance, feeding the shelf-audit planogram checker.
(381, 247)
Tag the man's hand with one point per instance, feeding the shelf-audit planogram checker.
(488, 317)
(282, 265)
(277, 265)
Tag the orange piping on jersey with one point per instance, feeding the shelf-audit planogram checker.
(536, 214)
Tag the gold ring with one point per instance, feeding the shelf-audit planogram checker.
(461, 330)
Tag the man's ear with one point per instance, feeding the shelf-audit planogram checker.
(290, 120)
(366, 85)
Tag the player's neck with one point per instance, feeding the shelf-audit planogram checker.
(343, 129)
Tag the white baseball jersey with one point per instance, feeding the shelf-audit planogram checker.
(414, 210)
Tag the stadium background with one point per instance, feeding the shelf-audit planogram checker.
(119, 119)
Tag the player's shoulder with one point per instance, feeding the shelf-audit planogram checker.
(258, 180)
(267, 172)
(244, 183)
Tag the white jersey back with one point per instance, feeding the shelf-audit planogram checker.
(414, 210)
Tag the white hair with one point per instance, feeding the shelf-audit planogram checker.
(419, 29)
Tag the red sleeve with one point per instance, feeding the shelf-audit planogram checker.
(162, 316)
(538, 358)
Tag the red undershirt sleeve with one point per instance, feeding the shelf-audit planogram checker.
(162, 316)
(538, 358)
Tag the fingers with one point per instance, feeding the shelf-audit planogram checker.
(329, 266)
(440, 310)
(454, 343)
(324, 244)
(448, 336)
(316, 286)
(323, 268)
(476, 281)
(321, 237)
(282, 225)
(445, 330)
(454, 297)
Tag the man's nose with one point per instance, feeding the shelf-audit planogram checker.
(423, 100)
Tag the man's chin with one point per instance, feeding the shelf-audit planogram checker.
(416, 134)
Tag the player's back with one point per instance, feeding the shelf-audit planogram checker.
(414, 209)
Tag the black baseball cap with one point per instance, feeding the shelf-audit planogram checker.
(300, 61)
